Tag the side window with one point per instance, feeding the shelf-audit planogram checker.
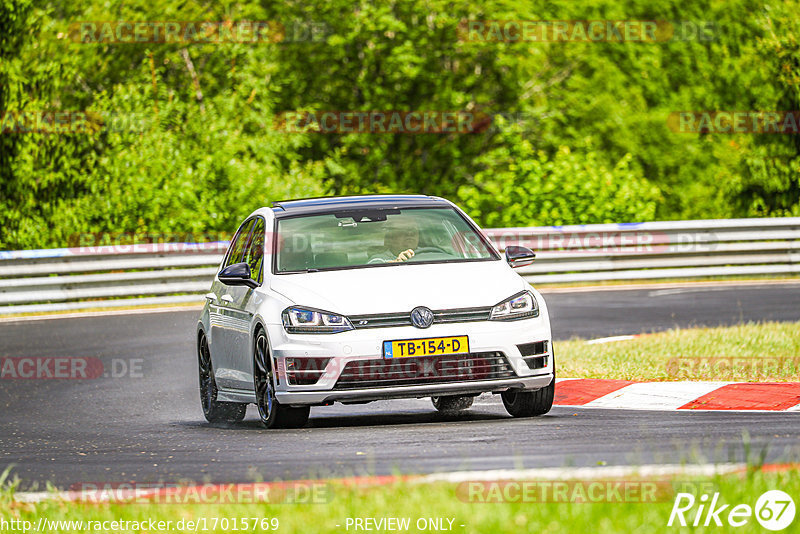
(254, 255)
(238, 244)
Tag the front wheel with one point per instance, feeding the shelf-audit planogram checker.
(529, 403)
(272, 414)
(214, 410)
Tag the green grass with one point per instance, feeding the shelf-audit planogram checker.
(763, 352)
(440, 500)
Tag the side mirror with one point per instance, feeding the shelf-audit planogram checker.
(237, 274)
(519, 256)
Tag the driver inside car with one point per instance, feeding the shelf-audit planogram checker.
(399, 241)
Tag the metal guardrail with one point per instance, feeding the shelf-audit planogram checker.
(670, 249)
(94, 277)
(102, 276)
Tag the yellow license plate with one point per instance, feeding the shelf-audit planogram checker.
(432, 346)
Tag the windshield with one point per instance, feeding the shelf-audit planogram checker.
(365, 238)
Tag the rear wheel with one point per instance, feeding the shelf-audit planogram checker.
(452, 403)
(214, 410)
(271, 412)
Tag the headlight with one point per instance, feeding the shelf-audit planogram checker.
(309, 321)
(519, 306)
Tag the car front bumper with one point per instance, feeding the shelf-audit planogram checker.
(400, 392)
(367, 344)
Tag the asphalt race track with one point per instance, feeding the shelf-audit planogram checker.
(146, 425)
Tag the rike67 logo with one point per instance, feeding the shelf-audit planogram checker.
(774, 510)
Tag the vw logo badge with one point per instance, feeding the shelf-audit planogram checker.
(421, 317)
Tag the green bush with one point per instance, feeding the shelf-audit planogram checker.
(521, 186)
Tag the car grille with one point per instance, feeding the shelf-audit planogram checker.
(382, 320)
(424, 370)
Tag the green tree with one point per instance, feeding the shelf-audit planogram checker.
(187, 138)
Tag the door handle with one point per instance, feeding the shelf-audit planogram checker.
(227, 299)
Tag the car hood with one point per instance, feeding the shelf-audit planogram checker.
(400, 288)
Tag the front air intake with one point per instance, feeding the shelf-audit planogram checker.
(534, 354)
(305, 371)
(533, 349)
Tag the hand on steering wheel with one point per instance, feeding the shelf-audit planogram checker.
(404, 256)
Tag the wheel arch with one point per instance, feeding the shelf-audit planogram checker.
(258, 325)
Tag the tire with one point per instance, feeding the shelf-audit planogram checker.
(531, 403)
(452, 404)
(214, 411)
(271, 412)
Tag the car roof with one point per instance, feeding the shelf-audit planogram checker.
(305, 206)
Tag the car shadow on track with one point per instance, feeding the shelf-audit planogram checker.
(343, 420)
(382, 419)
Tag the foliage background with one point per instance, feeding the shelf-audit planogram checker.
(595, 146)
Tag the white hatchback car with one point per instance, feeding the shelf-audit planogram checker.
(357, 299)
